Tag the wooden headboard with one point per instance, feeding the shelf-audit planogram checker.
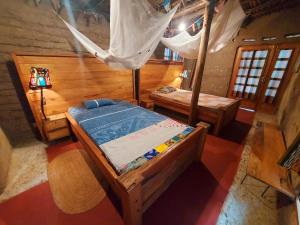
(75, 79)
(156, 74)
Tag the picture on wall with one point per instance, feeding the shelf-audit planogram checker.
(291, 160)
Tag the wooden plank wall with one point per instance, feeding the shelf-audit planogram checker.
(156, 74)
(75, 79)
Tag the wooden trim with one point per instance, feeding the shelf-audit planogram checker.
(161, 61)
(87, 55)
(84, 55)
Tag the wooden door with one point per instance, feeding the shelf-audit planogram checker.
(249, 73)
(261, 73)
(278, 76)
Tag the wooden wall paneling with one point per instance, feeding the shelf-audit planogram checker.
(155, 75)
(73, 80)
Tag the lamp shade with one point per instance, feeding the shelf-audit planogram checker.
(39, 78)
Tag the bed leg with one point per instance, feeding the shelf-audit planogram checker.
(201, 142)
(219, 124)
(132, 205)
(154, 107)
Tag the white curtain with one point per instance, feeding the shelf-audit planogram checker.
(135, 31)
(224, 28)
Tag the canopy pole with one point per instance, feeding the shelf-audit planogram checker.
(136, 84)
(199, 69)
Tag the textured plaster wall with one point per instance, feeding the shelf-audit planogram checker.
(5, 156)
(218, 68)
(288, 114)
(27, 28)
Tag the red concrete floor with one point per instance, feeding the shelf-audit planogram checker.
(195, 198)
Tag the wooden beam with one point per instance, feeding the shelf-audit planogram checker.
(195, 7)
(198, 73)
(136, 84)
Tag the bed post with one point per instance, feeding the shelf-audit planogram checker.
(131, 198)
(198, 72)
(136, 84)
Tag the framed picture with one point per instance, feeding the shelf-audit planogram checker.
(291, 160)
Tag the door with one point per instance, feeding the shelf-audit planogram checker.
(278, 76)
(260, 74)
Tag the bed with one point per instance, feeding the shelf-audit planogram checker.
(218, 111)
(137, 163)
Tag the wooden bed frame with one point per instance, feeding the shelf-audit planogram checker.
(139, 188)
(219, 118)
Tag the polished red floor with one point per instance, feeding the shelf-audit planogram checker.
(195, 198)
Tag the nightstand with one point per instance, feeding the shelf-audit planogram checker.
(133, 101)
(56, 126)
(147, 103)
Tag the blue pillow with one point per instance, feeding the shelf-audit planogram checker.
(95, 103)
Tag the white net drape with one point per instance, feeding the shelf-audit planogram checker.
(135, 31)
(136, 28)
(224, 28)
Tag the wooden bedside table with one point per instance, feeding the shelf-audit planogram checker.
(56, 126)
(147, 103)
(133, 101)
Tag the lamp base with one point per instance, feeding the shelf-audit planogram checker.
(43, 102)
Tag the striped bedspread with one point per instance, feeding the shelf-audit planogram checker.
(129, 135)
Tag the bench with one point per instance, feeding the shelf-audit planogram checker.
(267, 147)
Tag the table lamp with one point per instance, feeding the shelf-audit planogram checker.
(40, 79)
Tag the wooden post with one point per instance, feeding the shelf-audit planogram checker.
(198, 72)
(136, 84)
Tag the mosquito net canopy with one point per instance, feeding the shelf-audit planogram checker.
(136, 28)
(135, 31)
(224, 28)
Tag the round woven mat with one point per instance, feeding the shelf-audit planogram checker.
(74, 187)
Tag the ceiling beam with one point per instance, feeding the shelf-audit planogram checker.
(197, 7)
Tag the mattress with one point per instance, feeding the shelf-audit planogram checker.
(129, 135)
(205, 100)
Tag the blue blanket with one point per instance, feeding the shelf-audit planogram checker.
(110, 122)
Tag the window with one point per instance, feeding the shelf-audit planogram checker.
(261, 74)
(249, 72)
(277, 75)
(169, 55)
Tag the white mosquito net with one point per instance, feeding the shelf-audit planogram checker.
(135, 31)
(224, 28)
